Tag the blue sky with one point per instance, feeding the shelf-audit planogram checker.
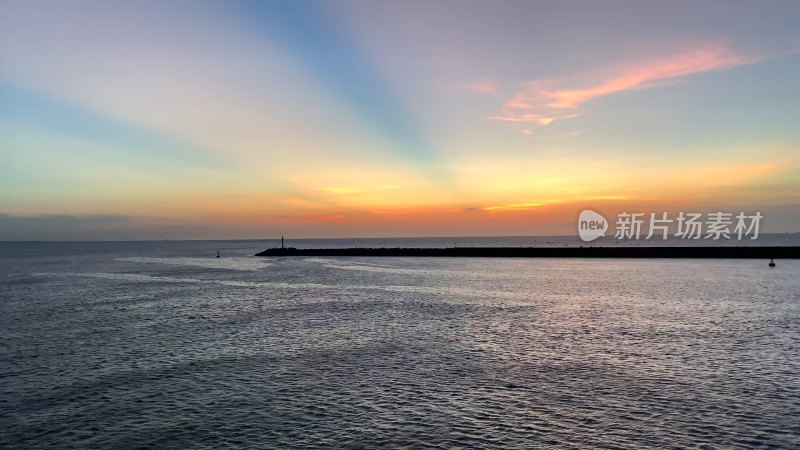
(356, 118)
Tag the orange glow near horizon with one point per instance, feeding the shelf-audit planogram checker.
(363, 120)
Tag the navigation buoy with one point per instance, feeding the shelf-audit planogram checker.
(772, 262)
(217, 254)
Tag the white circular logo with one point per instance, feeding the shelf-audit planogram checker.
(591, 225)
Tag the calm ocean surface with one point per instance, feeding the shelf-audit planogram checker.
(159, 344)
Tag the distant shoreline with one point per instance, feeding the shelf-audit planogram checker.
(551, 252)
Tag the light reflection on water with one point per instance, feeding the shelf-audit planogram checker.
(118, 346)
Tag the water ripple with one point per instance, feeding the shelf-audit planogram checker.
(114, 351)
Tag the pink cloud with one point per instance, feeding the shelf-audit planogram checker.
(534, 118)
(541, 100)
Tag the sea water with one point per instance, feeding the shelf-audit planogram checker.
(160, 344)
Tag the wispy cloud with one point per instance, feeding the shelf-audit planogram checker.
(309, 217)
(527, 206)
(483, 85)
(515, 206)
(420, 210)
(339, 190)
(545, 101)
(571, 134)
(534, 118)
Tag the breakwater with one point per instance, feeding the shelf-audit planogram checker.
(550, 252)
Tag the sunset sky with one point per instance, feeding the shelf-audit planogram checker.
(226, 119)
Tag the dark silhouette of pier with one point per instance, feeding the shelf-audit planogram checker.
(550, 252)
